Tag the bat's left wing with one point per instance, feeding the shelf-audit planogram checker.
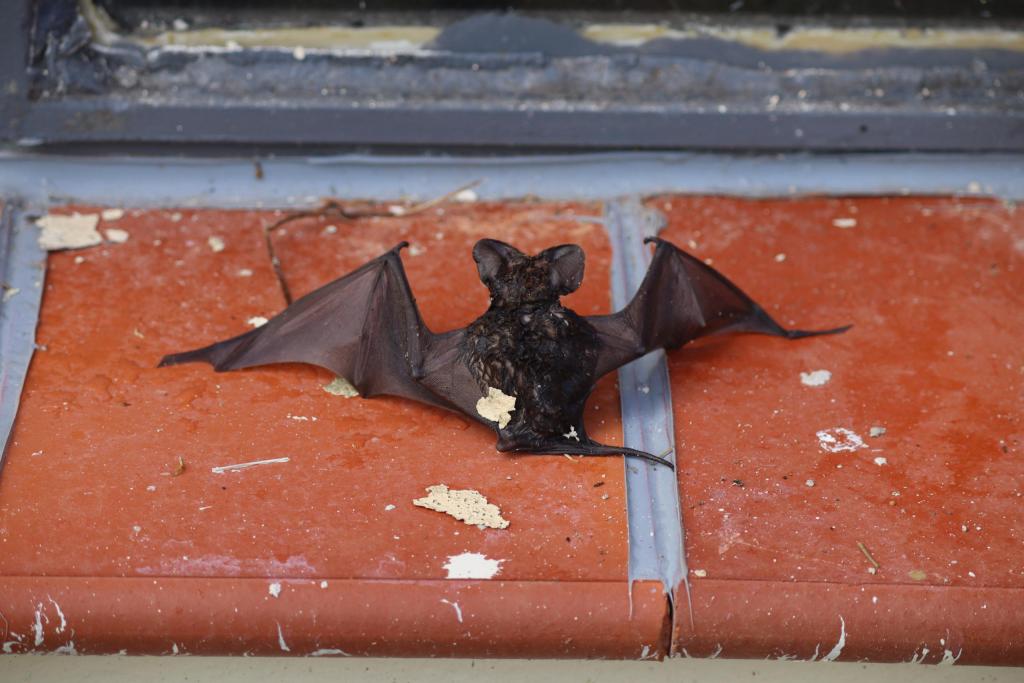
(364, 326)
(681, 299)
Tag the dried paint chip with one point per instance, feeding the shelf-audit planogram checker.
(700, 573)
(467, 195)
(779, 258)
(339, 386)
(881, 461)
(245, 272)
(256, 321)
(876, 432)
(839, 439)
(809, 483)
(116, 235)
(9, 293)
(274, 589)
(815, 378)
(472, 566)
(844, 223)
(74, 231)
(112, 214)
(216, 244)
(467, 505)
(496, 406)
(917, 575)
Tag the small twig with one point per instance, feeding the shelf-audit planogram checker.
(864, 550)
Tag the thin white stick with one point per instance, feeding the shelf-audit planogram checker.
(244, 465)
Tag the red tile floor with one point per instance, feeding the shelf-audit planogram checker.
(105, 548)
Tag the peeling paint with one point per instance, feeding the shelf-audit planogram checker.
(839, 439)
(74, 231)
(815, 378)
(339, 386)
(112, 214)
(496, 406)
(116, 235)
(472, 566)
(834, 653)
(467, 505)
(455, 606)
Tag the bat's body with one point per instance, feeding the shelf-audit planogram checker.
(537, 357)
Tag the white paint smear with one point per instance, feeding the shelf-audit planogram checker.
(472, 566)
(455, 606)
(834, 653)
(256, 321)
(116, 235)
(467, 505)
(74, 231)
(245, 465)
(274, 589)
(63, 621)
(948, 658)
(815, 378)
(329, 652)
(37, 627)
(496, 406)
(839, 439)
(280, 640)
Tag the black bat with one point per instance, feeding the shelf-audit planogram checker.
(526, 366)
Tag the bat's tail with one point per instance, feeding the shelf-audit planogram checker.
(759, 322)
(222, 356)
(800, 334)
(195, 356)
(592, 448)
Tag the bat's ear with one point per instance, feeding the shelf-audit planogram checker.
(567, 263)
(491, 256)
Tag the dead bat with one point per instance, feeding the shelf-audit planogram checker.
(526, 366)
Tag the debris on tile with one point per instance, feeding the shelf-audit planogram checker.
(256, 321)
(136, 333)
(339, 386)
(815, 378)
(881, 461)
(700, 573)
(876, 432)
(389, 507)
(75, 231)
(844, 223)
(216, 244)
(779, 258)
(300, 418)
(9, 292)
(176, 217)
(466, 504)
(467, 195)
(472, 566)
(246, 465)
(331, 229)
(396, 210)
(496, 406)
(245, 272)
(867, 554)
(417, 250)
(116, 235)
(112, 214)
(809, 483)
(299, 53)
(179, 468)
(280, 640)
(79, 260)
(274, 589)
(839, 439)
(917, 575)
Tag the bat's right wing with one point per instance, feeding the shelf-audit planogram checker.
(681, 299)
(364, 326)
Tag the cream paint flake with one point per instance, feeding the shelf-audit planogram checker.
(116, 235)
(496, 406)
(74, 231)
(467, 505)
(340, 386)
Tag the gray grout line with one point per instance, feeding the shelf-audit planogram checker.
(24, 268)
(147, 182)
(652, 491)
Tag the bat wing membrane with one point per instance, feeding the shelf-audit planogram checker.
(679, 300)
(364, 326)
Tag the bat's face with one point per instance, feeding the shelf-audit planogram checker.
(515, 279)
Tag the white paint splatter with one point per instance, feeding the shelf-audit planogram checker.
(256, 321)
(844, 223)
(881, 461)
(116, 235)
(280, 639)
(718, 651)
(496, 406)
(329, 652)
(645, 653)
(467, 505)
(919, 658)
(948, 658)
(876, 432)
(839, 439)
(455, 606)
(809, 483)
(74, 231)
(66, 649)
(700, 573)
(571, 434)
(323, 584)
(8, 647)
(63, 621)
(472, 566)
(274, 589)
(174, 649)
(815, 378)
(834, 653)
(300, 418)
(245, 465)
(216, 244)
(37, 627)
(112, 214)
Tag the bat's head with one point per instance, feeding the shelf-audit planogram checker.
(515, 278)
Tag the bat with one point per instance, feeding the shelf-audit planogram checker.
(526, 366)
